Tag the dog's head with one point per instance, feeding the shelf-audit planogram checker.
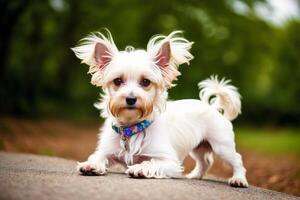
(134, 81)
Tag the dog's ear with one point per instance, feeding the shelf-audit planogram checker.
(168, 52)
(102, 55)
(97, 51)
(162, 59)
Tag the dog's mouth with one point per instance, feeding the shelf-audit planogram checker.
(129, 114)
(131, 107)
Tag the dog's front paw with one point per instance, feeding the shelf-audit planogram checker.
(135, 172)
(238, 182)
(91, 168)
(145, 170)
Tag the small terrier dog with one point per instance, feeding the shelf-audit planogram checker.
(144, 131)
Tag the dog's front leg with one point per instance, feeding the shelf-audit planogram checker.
(95, 165)
(98, 162)
(156, 168)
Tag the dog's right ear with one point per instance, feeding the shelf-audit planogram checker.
(97, 51)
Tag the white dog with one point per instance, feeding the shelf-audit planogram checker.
(146, 133)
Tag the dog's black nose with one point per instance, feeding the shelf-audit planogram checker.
(130, 100)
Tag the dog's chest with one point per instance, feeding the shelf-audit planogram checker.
(132, 150)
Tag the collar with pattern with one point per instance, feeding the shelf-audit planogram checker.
(128, 131)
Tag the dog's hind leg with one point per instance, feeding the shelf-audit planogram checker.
(203, 157)
(227, 152)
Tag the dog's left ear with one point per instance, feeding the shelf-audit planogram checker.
(167, 53)
(97, 51)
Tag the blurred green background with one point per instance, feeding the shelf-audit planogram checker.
(46, 99)
(242, 40)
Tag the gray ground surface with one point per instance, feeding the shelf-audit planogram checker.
(24, 176)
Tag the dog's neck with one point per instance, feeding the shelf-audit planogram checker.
(149, 118)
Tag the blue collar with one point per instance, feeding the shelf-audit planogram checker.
(127, 132)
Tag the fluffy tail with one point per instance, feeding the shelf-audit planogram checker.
(221, 95)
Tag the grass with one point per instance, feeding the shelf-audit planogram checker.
(46, 152)
(274, 141)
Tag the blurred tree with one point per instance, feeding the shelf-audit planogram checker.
(10, 12)
(41, 76)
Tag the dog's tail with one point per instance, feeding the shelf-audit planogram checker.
(221, 95)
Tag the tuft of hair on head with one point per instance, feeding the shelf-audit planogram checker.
(168, 52)
(96, 50)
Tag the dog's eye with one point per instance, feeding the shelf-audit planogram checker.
(145, 82)
(118, 81)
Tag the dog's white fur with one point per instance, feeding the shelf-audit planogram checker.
(195, 127)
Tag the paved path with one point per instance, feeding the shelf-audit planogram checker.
(24, 176)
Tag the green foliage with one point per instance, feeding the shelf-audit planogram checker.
(274, 141)
(41, 76)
